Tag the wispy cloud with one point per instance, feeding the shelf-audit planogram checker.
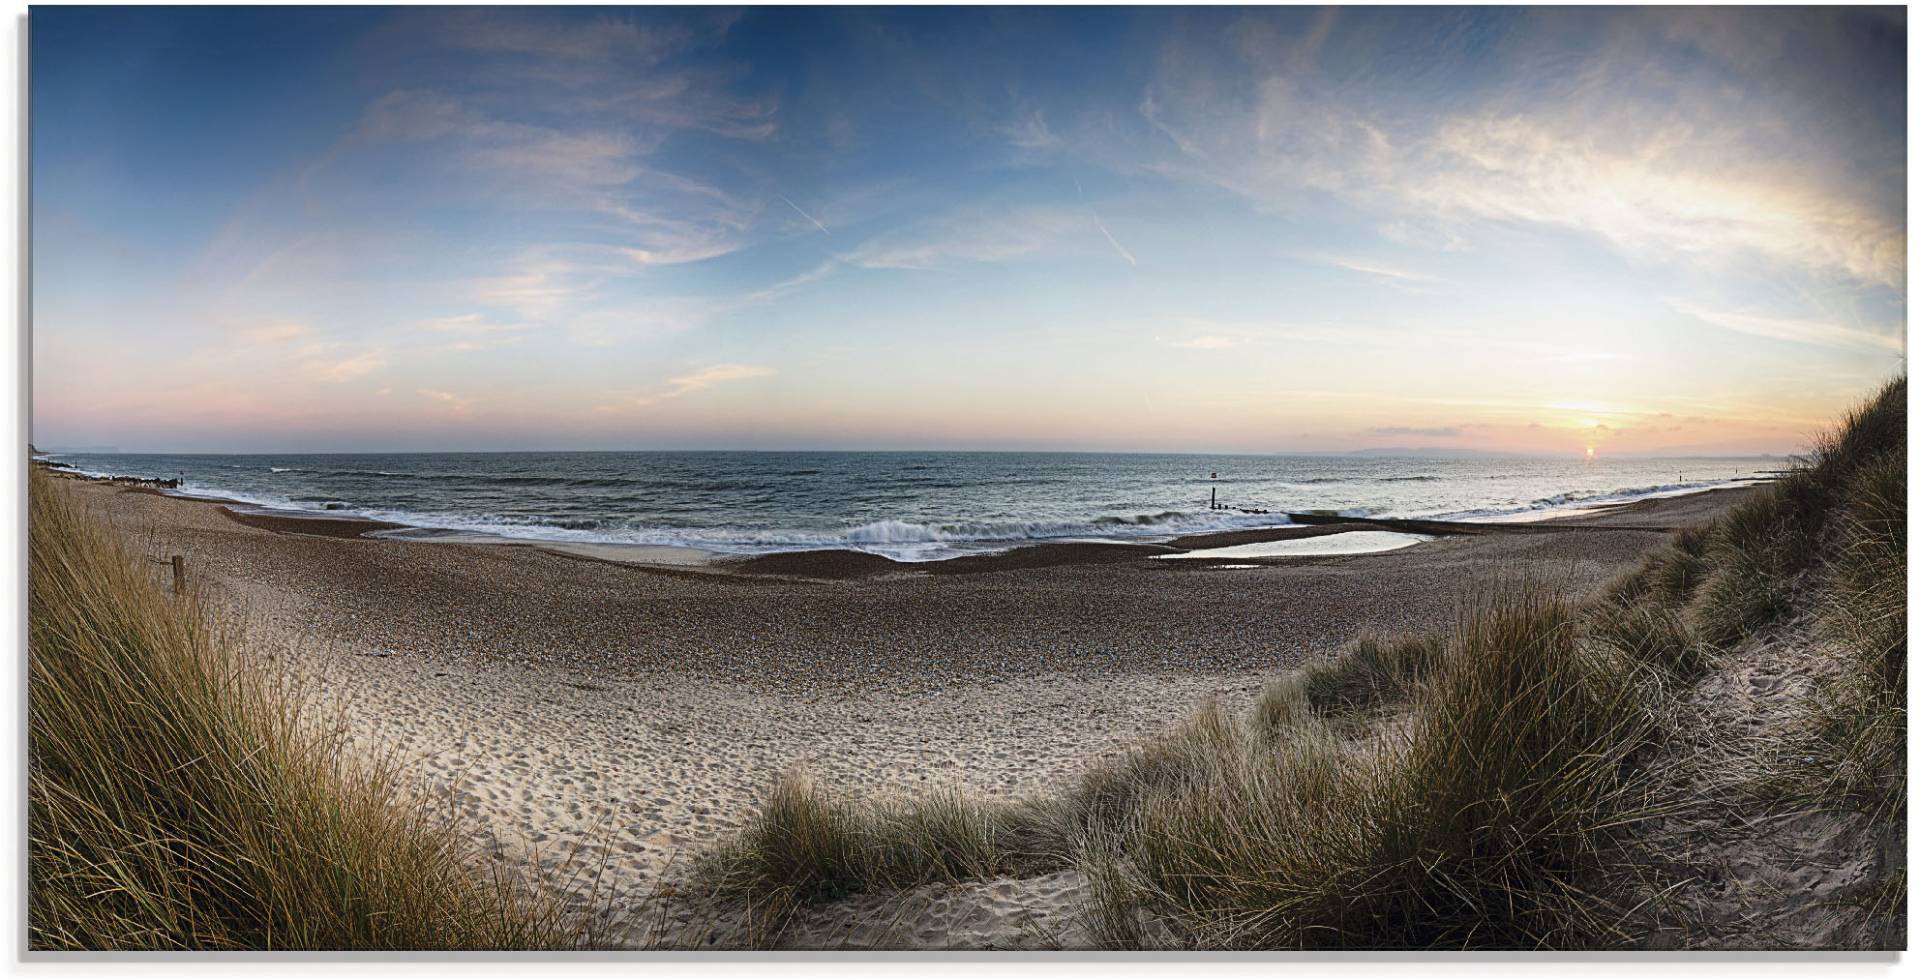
(599, 168)
(469, 332)
(1378, 269)
(605, 38)
(468, 324)
(1208, 342)
(1111, 240)
(1652, 192)
(678, 387)
(339, 370)
(1813, 332)
(1652, 160)
(1029, 131)
(453, 403)
(1203, 334)
(797, 210)
(1422, 234)
(277, 332)
(975, 235)
(639, 69)
(585, 159)
(537, 287)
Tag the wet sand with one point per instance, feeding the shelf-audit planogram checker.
(586, 713)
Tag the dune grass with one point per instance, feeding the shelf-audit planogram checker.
(808, 845)
(176, 799)
(1653, 634)
(1859, 737)
(1482, 826)
(1761, 551)
(1863, 725)
(1370, 673)
(1461, 791)
(1754, 552)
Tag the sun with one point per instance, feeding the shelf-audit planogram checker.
(1589, 453)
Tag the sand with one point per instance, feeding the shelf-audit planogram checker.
(600, 721)
(1740, 869)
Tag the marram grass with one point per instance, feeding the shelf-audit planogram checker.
(176, 800)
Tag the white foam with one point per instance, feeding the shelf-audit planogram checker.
(896, 539)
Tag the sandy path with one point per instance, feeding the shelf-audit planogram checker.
(1747, 870)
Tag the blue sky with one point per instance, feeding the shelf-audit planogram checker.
(1551, 230)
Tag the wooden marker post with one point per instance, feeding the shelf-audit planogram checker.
(1213, 498)
(179, 574)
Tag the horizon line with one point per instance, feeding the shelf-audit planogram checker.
(1383, 452)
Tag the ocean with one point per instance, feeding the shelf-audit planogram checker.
(912, 506)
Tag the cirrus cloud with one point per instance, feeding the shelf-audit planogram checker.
(685, 384)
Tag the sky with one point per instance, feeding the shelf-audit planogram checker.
(1541, 230)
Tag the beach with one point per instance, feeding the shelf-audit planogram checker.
(603, 720)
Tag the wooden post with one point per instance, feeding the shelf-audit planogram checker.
(1213, 498)
(179, 574)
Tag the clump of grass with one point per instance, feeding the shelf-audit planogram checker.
(1877, 426)
(1108, 795)
(176, 801)
(1758, 550)
(1372, 672)
(1669, 576)
(1283, 706)
(1681, 568)
(1754, 551)
(1652, 634)
(1487, 825)
(1191, 864)
(807, 846)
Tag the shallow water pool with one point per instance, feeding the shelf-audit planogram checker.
(1349, 542)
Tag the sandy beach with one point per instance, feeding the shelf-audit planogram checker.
(605, 719)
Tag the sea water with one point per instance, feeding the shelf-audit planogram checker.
(905, 505)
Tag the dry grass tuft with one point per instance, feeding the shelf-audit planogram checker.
(176, 801)
(1371, 673)
(806, 846)
(1483, 827)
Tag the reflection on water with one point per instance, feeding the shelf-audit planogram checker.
(1351, 542)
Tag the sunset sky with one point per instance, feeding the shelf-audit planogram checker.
(1641, 231)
